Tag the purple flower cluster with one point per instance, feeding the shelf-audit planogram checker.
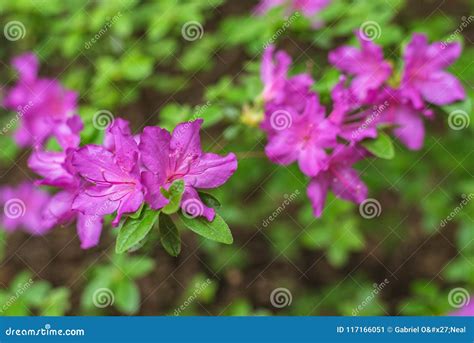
(44, 108)
(327, 146)
(116, 177)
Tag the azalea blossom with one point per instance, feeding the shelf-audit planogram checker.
(44, 108)
(179, 156)
(354, 125)
(424, 77)
(305, 138)
(112, 177)
(406, 119)
(366, 64)
(22, 208)
(340, 177)
(279, 88)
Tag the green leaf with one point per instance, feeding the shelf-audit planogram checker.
(209, 200)
(217, 230)
(137, 266)
(127, 297)
(56, 303)
(138, 213)
(381, 146)
(36, 292)
(169, 235)
(174, 195)
(134, 230)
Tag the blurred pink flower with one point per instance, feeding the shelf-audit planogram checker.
(301, 137)
(340, 177)
(366, 64)
(424, 76)
(44, 108)
(23, 208)
(279, 88)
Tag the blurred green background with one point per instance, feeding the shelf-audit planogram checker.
(141, 67)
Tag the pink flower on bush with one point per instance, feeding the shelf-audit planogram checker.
(44, 108)
(112, 176)
(302, 133)
(424, 77)
(305, 138)
(340, 177)
(22, 208)
(170, 157)
(279, 88)
(366, 64)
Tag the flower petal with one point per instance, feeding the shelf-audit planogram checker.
(89, 228)
(442, 88)
(192, 205)
(155, 149)
(211, 171)
(346, 184)
(411, 130)
(317, 192)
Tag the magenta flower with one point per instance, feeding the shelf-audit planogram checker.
(340, 177)
(354, 125)
(44, 108)
(303, 138)
(112, 177)
(56, 169)
(424, 76)
(366, 64)
(408, 121)
(169, 157)
(278, 87)
(23, 208)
